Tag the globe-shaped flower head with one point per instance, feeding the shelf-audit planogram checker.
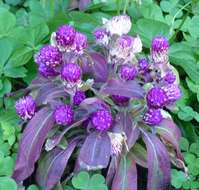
(128, 72)
(159, 49)
(64, 115)
(46, 71)
(170, 77)
(49, 56)
(153, 117)
(71, 73)
(102, 120)
(101, 36)
(172, 92)
(26, 107)
(143, 65)
(65, 36)
(78, 97)
(80, 43)
(156, 97)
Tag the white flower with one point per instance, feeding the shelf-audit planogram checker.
(118, 25)
(137, 45)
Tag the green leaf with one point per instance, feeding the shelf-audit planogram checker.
(15, 72)
(81, 181)
(7, 183)
(193, 27)
(187, 113)
(32, 187)
(166, 6)
(8, 21)
(178, 178)
(156, 28)
(184, 144)
(194, 148)
(97, 182)
(6, 166)
(6, 87)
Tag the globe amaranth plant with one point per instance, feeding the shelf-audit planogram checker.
(105, 105)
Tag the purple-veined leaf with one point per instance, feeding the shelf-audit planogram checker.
(126, 175)
(55, 140)
(123, 88)
(95, 152)
(171, 133)
(52, 167)
(31, 143)
(158, 162)
(139, 154)
(124, 123)
(99, 68)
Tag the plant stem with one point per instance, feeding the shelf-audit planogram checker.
(125, 6)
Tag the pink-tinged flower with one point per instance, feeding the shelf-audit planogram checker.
(80, 43)
(101, 36)
(120, 100)
(156, 97)
(159, 50)
(170, 77)
(64, 115)
(102, 120)
(153, 117)
(128, 72)
(118, 25)
(143, 65)
(26, 107)
(71, 72)
(173, 93)
(78, 97)
(49, 56)
(46, 71)
(65, 36)
(117, 140)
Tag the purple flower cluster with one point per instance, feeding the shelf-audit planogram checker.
(26, 107)
(128, 72)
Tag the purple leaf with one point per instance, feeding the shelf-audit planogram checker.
(31, 143)
(123, 88)
(126, 175)
(158, 162)
(95, 152)
(52, 167)
(83, 4)
(171, 133)
(124, 123)
(99, 68)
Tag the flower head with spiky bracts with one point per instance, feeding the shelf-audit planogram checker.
(63, 115)
(101, 36)
(169, 77)
(118, 25)
(128, 72)
(143, 65)
(78, 97)
(26, 107)
(49, 56)
(101, 120)
(80, 43)
(159, 50)
(46, 71)
(153, 117)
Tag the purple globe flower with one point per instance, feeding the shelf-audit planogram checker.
(173, 93)
(101, 36)
(143, 65)
(101, 120)
(128, 72)
(46, 71)
(64, 115)
(169, 78)
(65, 36)
(159, 44)
(156, 98)
(120, 100)
(159, 49)
(49, 56)
(78, 97)
(153, 117)
(125, 41)
(80, 43)
(71, 72)
(26, 107)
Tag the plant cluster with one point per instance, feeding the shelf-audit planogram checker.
(96, 104)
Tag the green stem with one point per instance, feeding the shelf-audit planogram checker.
(125, 6)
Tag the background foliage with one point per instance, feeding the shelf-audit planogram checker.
(26, 25)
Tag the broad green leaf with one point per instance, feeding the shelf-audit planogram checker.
(187, 113)
(193, 27)
(6, 87)
(32, 187)
(184, 144)
(178, 178)
(6, 166)
(97, 182)
(8, 21)
(15, 72)
(156, 28)
(7, 183)
(81, 181)
(194, 148)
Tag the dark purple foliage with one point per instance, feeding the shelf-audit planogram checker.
(31, 143)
